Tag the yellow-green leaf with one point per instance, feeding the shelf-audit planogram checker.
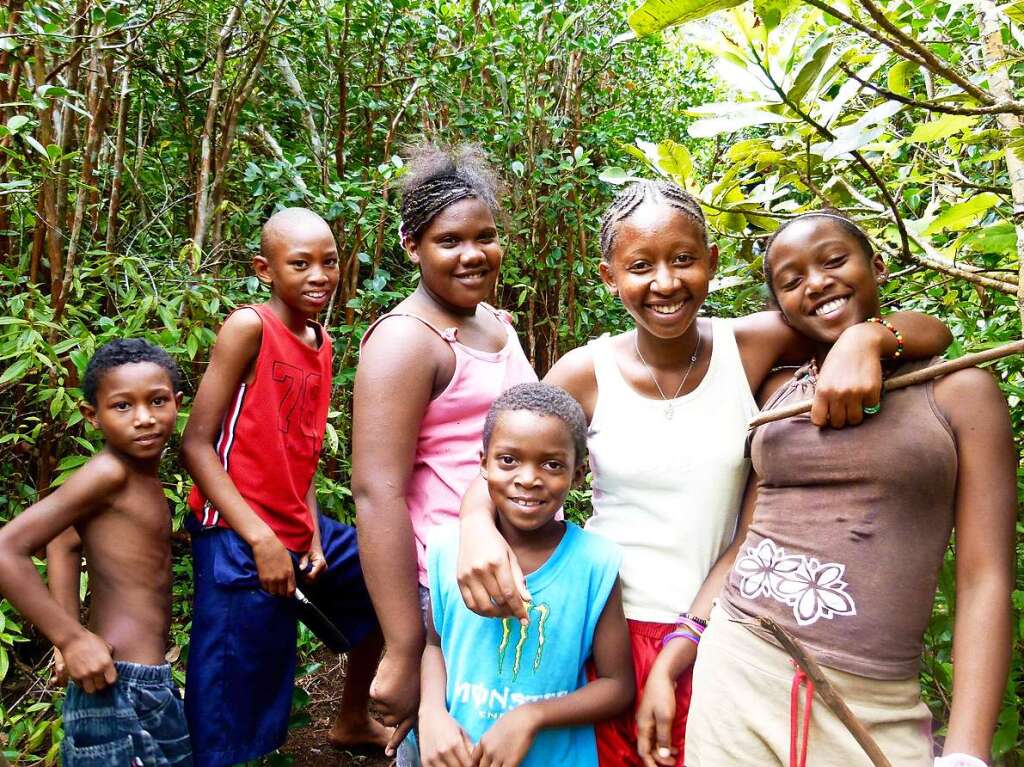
(943, 127)
(771, 12)
(899, 77)
(674, 160)
(963, 214)
(655, 15)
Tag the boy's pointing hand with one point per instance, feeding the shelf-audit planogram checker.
(89, 662)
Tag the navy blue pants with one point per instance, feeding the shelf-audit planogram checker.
(241, 662)
(136, 722)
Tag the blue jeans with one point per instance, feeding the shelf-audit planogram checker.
(241, 663)
(139, 721)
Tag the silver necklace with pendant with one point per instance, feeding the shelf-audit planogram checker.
(669, 407)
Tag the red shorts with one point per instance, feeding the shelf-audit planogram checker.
(616, 738)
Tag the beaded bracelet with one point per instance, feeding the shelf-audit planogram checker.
(691, 617)
(892, 329)
(677, 634)
(685, 620)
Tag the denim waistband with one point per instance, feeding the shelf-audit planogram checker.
(139, 673)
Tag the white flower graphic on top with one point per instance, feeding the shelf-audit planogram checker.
(763, 569)
(814, 590)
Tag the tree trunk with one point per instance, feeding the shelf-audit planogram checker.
(202, 214)
(114, 208)
(1002, 88)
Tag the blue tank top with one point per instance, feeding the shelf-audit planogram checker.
(495, 664)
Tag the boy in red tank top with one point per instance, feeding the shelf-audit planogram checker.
(252, 444)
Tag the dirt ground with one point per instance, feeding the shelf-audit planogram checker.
(308, 745)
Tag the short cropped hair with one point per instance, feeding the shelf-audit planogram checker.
(125, 351)
(437, 177)
(544, 400)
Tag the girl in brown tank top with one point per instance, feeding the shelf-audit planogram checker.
(845, 539)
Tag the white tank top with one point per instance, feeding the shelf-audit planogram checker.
(666, 491)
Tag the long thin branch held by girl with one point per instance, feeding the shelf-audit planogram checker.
(822, 687)
(905, 380)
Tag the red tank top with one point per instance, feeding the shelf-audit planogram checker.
(270, 438)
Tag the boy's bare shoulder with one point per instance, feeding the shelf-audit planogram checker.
(105, 471)
(242, 325)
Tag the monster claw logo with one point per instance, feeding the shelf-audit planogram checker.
(543, 611)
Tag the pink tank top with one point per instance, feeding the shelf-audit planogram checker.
(448, 448)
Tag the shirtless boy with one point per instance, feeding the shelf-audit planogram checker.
(122, 707)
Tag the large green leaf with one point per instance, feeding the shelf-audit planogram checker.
(958, 217)
(943, 127)
(670, 158)
(771, 12)
(655, 15)
(738, 120)
(810, 69)
(867, 129)
(997, 240)
(899, 76)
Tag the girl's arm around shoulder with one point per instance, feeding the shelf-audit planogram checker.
(985, 519)
(608, 695)
(851, 376)
(574, 372)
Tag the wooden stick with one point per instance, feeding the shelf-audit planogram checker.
(905, 380)
(823, 688)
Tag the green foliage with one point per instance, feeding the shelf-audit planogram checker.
(762, 112)
(827, 106)
(537, 84)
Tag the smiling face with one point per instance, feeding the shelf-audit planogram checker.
(299, 260)
(458, 255)
(822, 278)
(136, 409)
(660, 267)
(530, 465)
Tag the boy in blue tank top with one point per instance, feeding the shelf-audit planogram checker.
(496, 692)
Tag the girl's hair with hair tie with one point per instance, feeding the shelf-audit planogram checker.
(439, 176)
(847, 224)
(633, 196)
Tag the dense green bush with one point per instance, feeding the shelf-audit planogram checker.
(142, 144)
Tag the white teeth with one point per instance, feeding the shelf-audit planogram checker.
(320, 294)
(524, 502)
(830, 307)
(660, 309)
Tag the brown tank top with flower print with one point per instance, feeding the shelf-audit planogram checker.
(849, 530)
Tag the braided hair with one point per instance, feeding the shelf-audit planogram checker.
(844, 222)
(636, 194)
(441, 176)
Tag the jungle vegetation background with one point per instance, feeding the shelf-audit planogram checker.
(142, 144)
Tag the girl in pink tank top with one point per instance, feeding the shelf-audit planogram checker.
(428, 372)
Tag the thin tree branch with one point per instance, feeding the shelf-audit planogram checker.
(999, 107)
(928, 57)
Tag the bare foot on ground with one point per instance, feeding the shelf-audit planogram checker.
(353, 734)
